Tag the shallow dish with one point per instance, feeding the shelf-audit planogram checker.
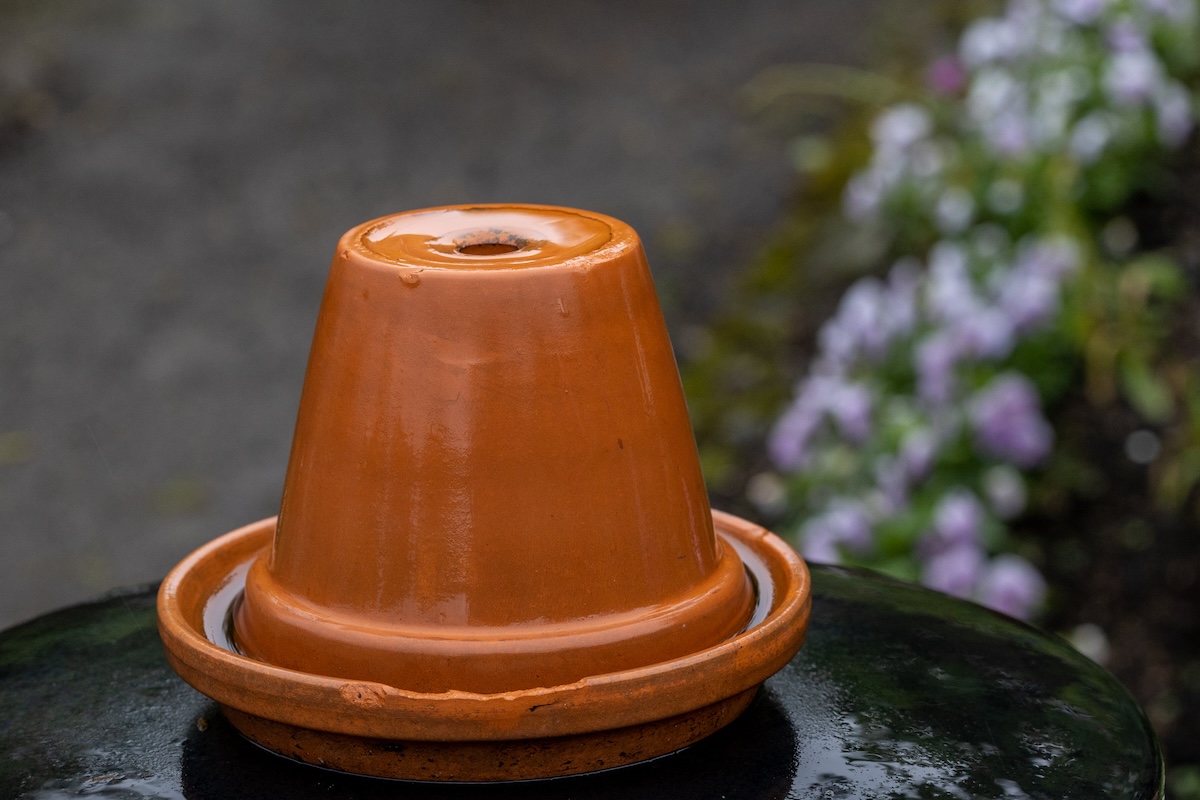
(595, 723)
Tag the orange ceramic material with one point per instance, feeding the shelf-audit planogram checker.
(598, 722)
(493, 491)
(478, 433)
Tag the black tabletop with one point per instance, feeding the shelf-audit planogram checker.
(898, 692)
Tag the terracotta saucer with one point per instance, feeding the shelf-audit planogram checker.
(598, 722)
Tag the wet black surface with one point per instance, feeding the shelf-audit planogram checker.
(899, 692)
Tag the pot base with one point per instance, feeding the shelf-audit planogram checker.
(598, 722)
(526, 759)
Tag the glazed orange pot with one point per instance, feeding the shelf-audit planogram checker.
(493, 490)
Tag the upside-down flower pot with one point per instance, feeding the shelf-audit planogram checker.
(494, 557)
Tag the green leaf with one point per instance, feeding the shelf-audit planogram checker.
(1160, 276)
(1147, 393)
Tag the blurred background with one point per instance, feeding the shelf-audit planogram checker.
(174, 178)
(931, 271)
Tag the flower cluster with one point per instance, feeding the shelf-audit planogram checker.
(907, 442)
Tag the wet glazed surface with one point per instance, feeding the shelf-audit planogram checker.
(477, 435)
(899, 692)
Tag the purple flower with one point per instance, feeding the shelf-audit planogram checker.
(845, 525)
(1081, 12)
(1124, 36)
(892, 479)
(863, 195)
(1173, 114)
(1029, 300)
(901, 126)
(946, 76)
(869, 316)
(819, 545)
(917, 453)
(989, 39)
(849, 404)
(852, 410)
(949, 292)
(957, 521)
(899, 301)
(1176, 10)
(859, 315)
(1052, 257)
(1013, 586)
(1091, 135)
(987, 333)
(1011, 135)
(1132, 77)
(850, 522)
(1026, 15)
(1007, 421)
(954, 571)
(998, 105)
(838, 342)
(788, 441)
(935, 361)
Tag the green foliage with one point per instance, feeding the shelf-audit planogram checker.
(1119, 338)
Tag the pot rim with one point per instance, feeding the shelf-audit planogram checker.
(196, 596)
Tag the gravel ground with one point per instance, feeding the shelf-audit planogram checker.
(173, 179)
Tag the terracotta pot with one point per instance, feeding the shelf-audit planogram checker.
(493, 482)
(493, 488)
